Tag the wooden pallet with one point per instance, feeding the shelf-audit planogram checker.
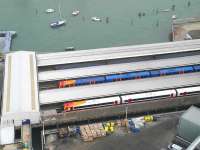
(92, 131)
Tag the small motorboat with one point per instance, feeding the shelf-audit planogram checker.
(164, 10)
(96, 19)
(57, 23)
(50, 10)
(76, 13)
(173, 16)
(69, 48)
(187, 37)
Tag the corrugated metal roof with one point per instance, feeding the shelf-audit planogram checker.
(116, 68)
(20, 92)
(189, 124)
(7, 134)
(116, 88)
(117, 52)
(192, 115)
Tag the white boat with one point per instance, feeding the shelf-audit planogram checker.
(60, 22)
(57, 23)
(96, 19)
(164, 10)
(187, 37)
(69, 48)
(76, 12)
(173, 16)
(50, 10)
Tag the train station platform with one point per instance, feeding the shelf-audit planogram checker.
(20, 95)
(71, 73)
(118, 88)
(22, 98)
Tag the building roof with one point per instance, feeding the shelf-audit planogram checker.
(20, 87)
(117, 88)
(44, 76)
(117, 52)
(192, 115)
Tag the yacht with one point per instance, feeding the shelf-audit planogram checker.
(96, 19)
(50, 10)
(76, 12)
(57, 23)
(173, 16)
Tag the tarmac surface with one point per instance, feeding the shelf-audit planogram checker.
(1, 76)
(155, 136)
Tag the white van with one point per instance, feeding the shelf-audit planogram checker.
(174, 147)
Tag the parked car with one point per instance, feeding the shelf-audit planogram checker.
(174, 147)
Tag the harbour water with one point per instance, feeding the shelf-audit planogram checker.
(123, 22)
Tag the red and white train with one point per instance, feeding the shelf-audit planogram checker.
(131, 98)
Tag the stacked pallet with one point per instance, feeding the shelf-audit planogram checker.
(92, 131)
(122, 123)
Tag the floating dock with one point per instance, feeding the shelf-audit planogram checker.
(6, 37)
(186, 29)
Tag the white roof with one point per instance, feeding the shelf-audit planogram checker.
(116, 88)
(116, 68)
(20, 93)
(7, 134)
(117, 52)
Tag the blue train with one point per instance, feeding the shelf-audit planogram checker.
(129, 75)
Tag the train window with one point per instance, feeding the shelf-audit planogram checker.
(59, 110)
(60, 84)
(138, 77)
(117, 79)
(130, 100)
(183, 94)
(115, 102)
(162, 74)
(172, 95)
(92, 82)
(181, 72)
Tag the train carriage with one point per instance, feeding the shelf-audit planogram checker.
(139, 74)
(84, 104)
(128, 75)
(90, 80)
(196, 67)
(148, 95)
(116, 77)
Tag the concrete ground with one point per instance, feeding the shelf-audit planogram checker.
(155, 136)
(1, 76)
(2, 42)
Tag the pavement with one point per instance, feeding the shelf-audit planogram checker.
(2, 44)
(1, 76)
(155, 136)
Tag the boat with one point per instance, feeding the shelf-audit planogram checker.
(60, 22)
(164, 10)
(69, 48)
(76, 12)
(187, 37)
(173, 16)
(50, 10)
(96, 19)
(57, 23)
